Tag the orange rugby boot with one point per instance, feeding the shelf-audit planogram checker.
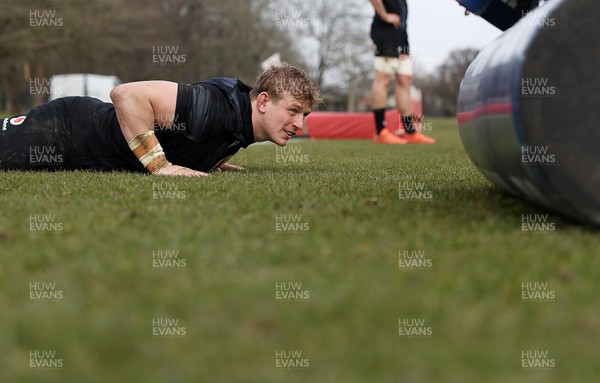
(387, 137)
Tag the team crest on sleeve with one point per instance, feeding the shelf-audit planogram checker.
(15, 121)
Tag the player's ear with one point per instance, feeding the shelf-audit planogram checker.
(261, 101)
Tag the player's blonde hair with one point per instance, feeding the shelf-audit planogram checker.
(283, 79)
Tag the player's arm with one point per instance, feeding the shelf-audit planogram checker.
(138, 106)
(225, 167)
(390, 18)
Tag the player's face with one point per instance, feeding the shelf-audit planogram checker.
(283, 119)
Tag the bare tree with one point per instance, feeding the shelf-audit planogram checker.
(440, 90)
(334, 37)
(119, 37)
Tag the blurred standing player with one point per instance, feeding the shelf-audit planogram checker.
(392, 60)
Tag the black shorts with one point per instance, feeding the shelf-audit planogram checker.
(66, 134)
(389, 41)
(37, 140)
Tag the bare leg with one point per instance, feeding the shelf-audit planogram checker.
(412, 123)
(402, 94)
(379, 90)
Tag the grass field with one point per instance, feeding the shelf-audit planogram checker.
(96, 252)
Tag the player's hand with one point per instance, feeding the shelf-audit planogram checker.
(392, 18)
(176, 170)
(225, 167)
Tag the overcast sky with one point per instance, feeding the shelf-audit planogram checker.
(437, 27)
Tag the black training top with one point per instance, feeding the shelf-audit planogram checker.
(398, 7)
(213, 120)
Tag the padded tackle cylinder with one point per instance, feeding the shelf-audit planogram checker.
(529, 111)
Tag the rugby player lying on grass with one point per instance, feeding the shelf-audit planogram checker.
(161, 127)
